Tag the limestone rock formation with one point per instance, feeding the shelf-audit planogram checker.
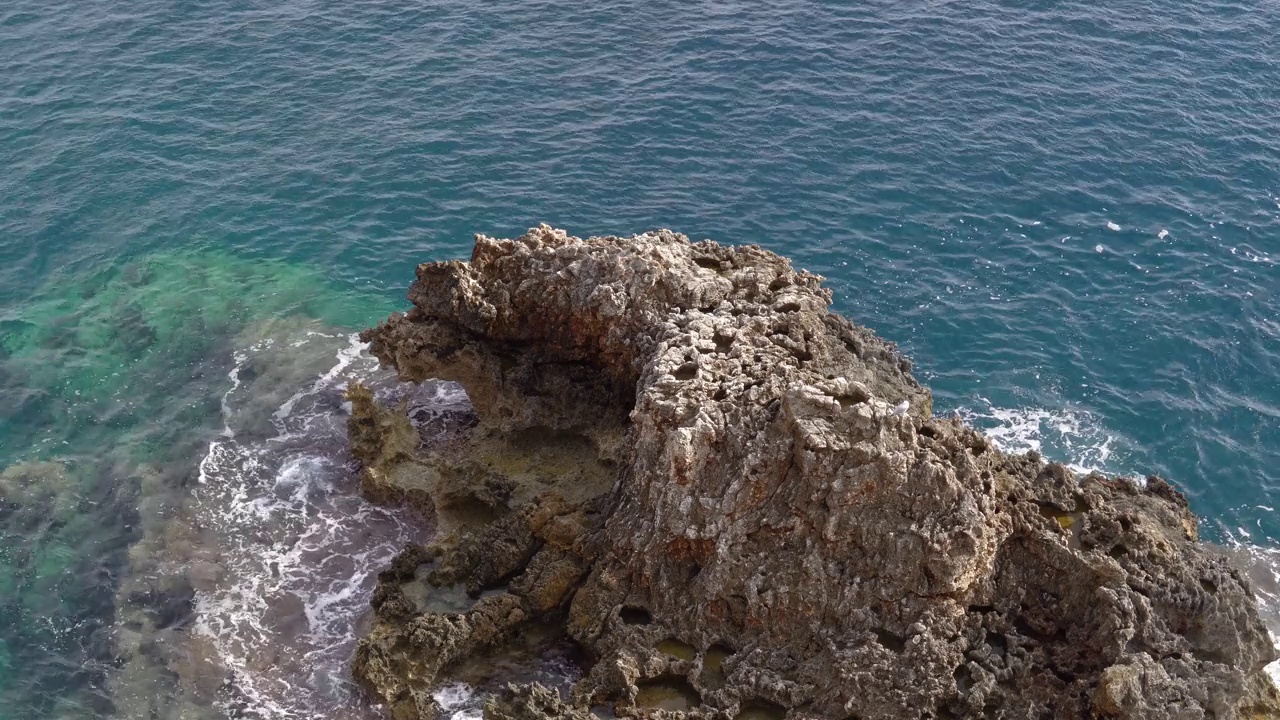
(740, 502)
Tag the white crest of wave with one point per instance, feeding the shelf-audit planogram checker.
(1072, 437)
(345, 358)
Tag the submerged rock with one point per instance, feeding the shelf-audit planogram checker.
(725, 490)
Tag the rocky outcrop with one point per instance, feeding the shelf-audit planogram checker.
(740, 504)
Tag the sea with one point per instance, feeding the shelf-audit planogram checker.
(1067, 213)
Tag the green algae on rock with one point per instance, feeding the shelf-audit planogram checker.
(768, 477)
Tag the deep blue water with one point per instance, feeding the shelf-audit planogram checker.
(1067, 213)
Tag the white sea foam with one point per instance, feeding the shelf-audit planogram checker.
(298, 546)
(1073, 437)
(345, 357)
(1254, 257)
(459, 701)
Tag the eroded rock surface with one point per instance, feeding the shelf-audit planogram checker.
(739, 502)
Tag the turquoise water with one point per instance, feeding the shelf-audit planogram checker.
(1067, 214)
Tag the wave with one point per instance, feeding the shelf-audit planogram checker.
(1073, 437)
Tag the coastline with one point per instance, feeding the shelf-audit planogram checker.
(793, 487)
(260, 382)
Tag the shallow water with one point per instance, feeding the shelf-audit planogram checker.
(297, 548)
(1066, 213)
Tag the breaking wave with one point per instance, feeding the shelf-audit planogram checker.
(1072, 437)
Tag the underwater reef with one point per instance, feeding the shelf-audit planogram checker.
(739, 504)
(115, 381)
